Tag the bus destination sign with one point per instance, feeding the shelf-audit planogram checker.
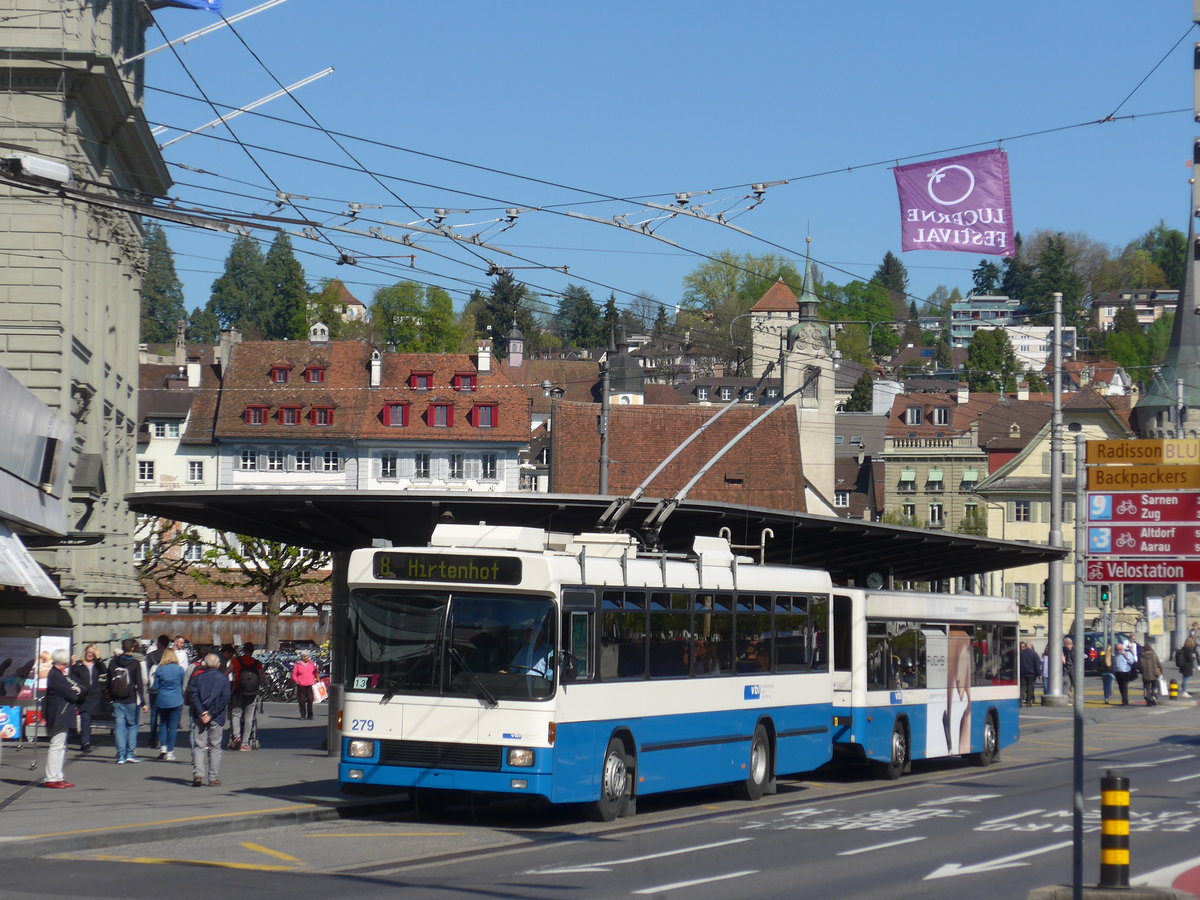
(443, 567)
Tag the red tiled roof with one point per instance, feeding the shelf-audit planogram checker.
(778, 298)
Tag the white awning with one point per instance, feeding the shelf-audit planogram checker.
(19, 569)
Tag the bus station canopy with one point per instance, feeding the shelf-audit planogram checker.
(346, 520)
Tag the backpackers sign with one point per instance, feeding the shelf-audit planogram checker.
(957, 203)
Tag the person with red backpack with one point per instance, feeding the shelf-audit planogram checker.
(247, 676)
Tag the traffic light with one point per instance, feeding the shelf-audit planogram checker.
(1105, 596)
(1046, 592)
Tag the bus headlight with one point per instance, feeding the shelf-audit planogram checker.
(360, 749)
(520, 756)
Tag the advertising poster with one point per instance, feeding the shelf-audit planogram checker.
(1154, 615)
(10, 723)
(47, 644)
(18, 657)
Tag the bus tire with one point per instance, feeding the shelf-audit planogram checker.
(759, 772)
(991, 743)
(614, 784)
(898, 754)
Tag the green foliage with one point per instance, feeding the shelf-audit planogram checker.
(862, 302)
(974, 522)
(943, 359)
(442, 332)
(577, 321)
(1036, 383)
(1055, 271)
(1126, 320)
(986, 277)
(861, 397)
(991, 363)
(1138, 351)
(891, 274)
(612, 320)
(237, 294)
(162, 291)
(326, 307)
(1168, 251)
(283, 312)
(412, 318)
(508, 302)
(203, 327)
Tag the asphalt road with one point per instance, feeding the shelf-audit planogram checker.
(948, 830)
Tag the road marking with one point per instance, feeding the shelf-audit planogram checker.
(1184, 778)
(135, 826)
(1158, 762)
(1167, 874)
(880, 846)
(961, 798)
(601, 866)
(1020, 815)
(259, 848)
(374, 834)
(150, 860)
(687, 884)
(991, 865)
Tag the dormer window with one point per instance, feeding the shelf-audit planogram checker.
(420, 381)
(289, 415)
(321, 415)
(702, 393)
(464, 381)
(395, 415)
(279, 374)
(314, 375)
(255, 415)
(440, 415)
(914, 415)
(485, 415)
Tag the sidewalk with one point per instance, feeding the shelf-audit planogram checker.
(289, 779)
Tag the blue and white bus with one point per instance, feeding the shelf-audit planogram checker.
(580, 669)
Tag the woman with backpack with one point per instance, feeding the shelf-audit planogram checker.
(167, 687)
(247, 674)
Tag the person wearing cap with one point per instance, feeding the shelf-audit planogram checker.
(304, 673)
(1122, 670)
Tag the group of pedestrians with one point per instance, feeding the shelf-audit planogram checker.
(220, 690)
(1034, 666)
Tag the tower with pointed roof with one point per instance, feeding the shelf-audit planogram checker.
(808, 375)
(770, 318)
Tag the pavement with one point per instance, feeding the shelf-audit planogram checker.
(290, 779)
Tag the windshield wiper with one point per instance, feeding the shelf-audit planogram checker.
(481, 690)
(402, 678)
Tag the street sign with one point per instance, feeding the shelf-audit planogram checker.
(1143, 478)
(1140, 571)
(1133, 508)
(1164, 451)
(1144, 540)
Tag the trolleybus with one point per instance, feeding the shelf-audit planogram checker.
(581, 669)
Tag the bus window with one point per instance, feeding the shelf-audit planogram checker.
(712, 634)
(881, 668)
(842, 634)
(623, 635)
(752, 642)
(908, 652)
(796, 635)
(579, 645)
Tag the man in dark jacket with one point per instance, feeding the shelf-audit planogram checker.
(208, 702)
(90, 674)
(58, 709)
(128, 693)
(1031, 668)
(246, 675)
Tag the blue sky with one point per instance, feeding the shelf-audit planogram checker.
(644, 100)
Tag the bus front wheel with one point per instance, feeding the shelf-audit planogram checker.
(991, 742)
(898, 761)
(755, 784)
(614, 783)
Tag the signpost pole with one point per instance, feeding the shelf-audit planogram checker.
(1181, 586)
(1055, 587)
(1077, 672)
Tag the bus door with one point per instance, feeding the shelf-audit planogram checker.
(842, 644)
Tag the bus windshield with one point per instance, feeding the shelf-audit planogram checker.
(491, 646)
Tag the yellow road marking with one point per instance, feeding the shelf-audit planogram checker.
(255, 812)
(358, 834)
(150, 860)
(259, 848)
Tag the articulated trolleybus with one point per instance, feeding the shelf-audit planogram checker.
(579, 669)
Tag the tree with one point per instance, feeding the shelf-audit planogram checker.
(1168, 250)
(203, 327)
(943, 359)
(237, 293)
(986, 277)
(1055, 272)
(325, 307)
(892, 274)
(163, 560)
(275, 570)
(612, 320)
(1036, 383)
(162, 291)
(577, 320)
(861, 397)
(1126, 320)
(396, 313)
(991, 363)
(862, 302)
(507, 303)
(283, 312)
(1016, 279)
(442, 333)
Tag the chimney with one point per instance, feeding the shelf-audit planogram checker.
(1023, 390)
(181, 342)
(718, 370)
(376, 368)
(964, 392)
(483, 361)
(229, 337)
(193, 372)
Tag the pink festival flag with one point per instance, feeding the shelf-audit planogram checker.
(958, 203)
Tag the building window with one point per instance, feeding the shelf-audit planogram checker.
(276, 460)
(914, 415)
(160, 429)
(841, 499)
(322, 415)
(303, 460)
(464, 381)
(726, 393)
(193, 551)
(331, 461)
(145, 470)
(289, 415)
(747, 394)
(1022, 511)
(314, 375)
(248, 460)
(389, 465)
(936, 519)
(940, 415)
(1020, 592)
(420, 381)
(772, 393)
(488, 466)
(279, 374)
(395, 415)
(441, 415)
(908, 512)
(421, 465)
(255, 415)
(701, 393)
(486, 415)
(456, 466)
(195, 470)
(141, 550)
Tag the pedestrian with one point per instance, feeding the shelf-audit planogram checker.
(1106, 673)
(89, 673)
(1031, 668)
(1132, 648)
(58, 709)
(1151, 672)
(304, 673)
(1068, 656)
(246, 672)
(1122, 671)
(127, 690)
(208, 702)
(180, 647)
(1046, 670)
(152, 660)
(167, 685)
(1186, 660)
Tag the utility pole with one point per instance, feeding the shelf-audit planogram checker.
(1055, 587)
(1181, 605)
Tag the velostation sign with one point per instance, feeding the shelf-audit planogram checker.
(1141, 571)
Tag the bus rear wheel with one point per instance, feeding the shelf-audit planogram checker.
(614, 784)
(755, 784)
(898, 760)
(991, 743)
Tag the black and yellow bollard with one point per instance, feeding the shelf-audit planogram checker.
(1173, 689)
(1114, 830)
